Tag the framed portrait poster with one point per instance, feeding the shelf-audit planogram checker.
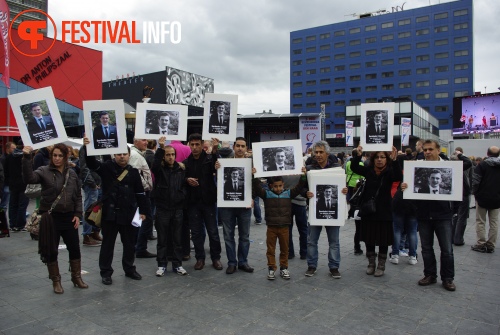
(277, 158)
(328, 207)
(105, 127)
(377, 126)
(38, 117)
(433, 180)
(219, 116)
(234, 182)
(156, 120)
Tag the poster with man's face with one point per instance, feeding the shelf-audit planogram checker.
(234, 183)
(156, 120)
(328, 206)
(377, 126)
(326, 202)
(219, 116)
(104, 131)
(277, 158)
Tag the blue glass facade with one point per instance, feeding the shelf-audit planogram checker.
(423, 54)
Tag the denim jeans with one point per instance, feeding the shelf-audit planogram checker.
(4, 204)
(442, 229)
(256, 210)
(408, 224)
(301, 221)
(17, 208)
(460, 220)
(144, 232)
(230, 218)
(332, 233)
(90, 195)
(202, 217)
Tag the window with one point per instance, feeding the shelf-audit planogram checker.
(355, 78)
(351, 102)
(443, 68)
(355, 54)
(370, 100)
(388, 62)
(370, 28)
(423, 70)
(310, 104)
(296, 40)
(297, 51)
(297, 84)
(404, 34)
(311, 49)
(354, 42)
(441, 108)
(371, 64)
(339, 33)
(326, 103)
(324, 81)
(461, 80)
(461, 93)
(339, 79)
(461, 53)
(297, 73)
(310, 94)
(355, 66)
(404, 72)
(311, 38)
(324, 47)
(461, 39)
(459, 26)
(339, 56)
(460, 12)
(387, 37)
(324, 58)
(339, 45)
(441, 42)
(339, 102)
(461, 66)
(441, 95)
(310, 82)
(371, 52)
(422, 19)
(326, 92)
(339, 68)
(441, 29)
(355, 89)
(371, 76)
(354, 30)
(370, 40)
(339, 91)
(421, 58)
(297, 62)
(387, 74)
(370, 88)
(441, 82)
(387, 49)
(404, 85)
(422, 45)
(442, 122)
(387, 25)
(387, 87)
(310, 60)
(440, 55)
(324, 36)
(297, 95)
(423, 83)
(440, 16)
(311, 71)
(423, 96)
(421, 32)
(404, 60)
(297, 106)
(404, 47)
(404, 22)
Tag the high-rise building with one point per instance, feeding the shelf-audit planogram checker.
(423, 54)
(17, 6)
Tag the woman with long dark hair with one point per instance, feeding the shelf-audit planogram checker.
(376, 226)
(61, 209)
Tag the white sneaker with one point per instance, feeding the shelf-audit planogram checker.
(285, 274)
(403, 253)
(412, 260)
(394, 259)
(271, 275)
(180, 271)
(160, 272)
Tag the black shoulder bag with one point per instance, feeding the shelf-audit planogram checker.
(369, 207)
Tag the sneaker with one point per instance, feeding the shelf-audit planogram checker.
(335, 273)
(24, 230)
(413, 260)
(310, 271)
(161, 271)
(180, 271)
(258, 223)
(271, 275)
(403, 253)
(285, 274)
(394, 259)
(479, 247)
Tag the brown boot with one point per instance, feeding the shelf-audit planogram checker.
(371, 262)
(95, 235)
(381, 265)
(55, 276)
(76, 273)
(90, 242)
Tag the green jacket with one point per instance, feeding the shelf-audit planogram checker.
(351, 177)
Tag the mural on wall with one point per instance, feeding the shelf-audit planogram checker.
(187, 88)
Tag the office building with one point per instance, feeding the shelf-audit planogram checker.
(18, 6)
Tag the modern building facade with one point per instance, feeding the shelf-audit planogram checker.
(423, 55)
(18, 6)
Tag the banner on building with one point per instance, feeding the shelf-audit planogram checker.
(4, 30)
(349, 132)
(310, 131)
(405, 131)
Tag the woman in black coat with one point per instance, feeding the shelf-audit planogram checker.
(376, 228)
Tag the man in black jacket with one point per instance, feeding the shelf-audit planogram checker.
(122, 194)
(18, 200)
(202, 198)
(170, 197)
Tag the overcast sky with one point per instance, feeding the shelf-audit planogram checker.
(244, 45)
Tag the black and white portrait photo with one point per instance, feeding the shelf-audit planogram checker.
(377, 126)
(433, 180)
(376, 129)
(234, 184)
(162, 122)
(39, 121)
(104, 132)
(277, 159)
(219, 117)
(326, 202)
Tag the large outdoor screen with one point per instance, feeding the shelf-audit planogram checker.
(476, 114)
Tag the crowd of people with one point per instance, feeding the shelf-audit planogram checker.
(172, 187)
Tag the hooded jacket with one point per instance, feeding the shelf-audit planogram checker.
(485, 183)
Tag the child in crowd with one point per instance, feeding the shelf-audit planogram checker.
(278, 208)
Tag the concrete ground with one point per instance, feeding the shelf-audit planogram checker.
(212, 302)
